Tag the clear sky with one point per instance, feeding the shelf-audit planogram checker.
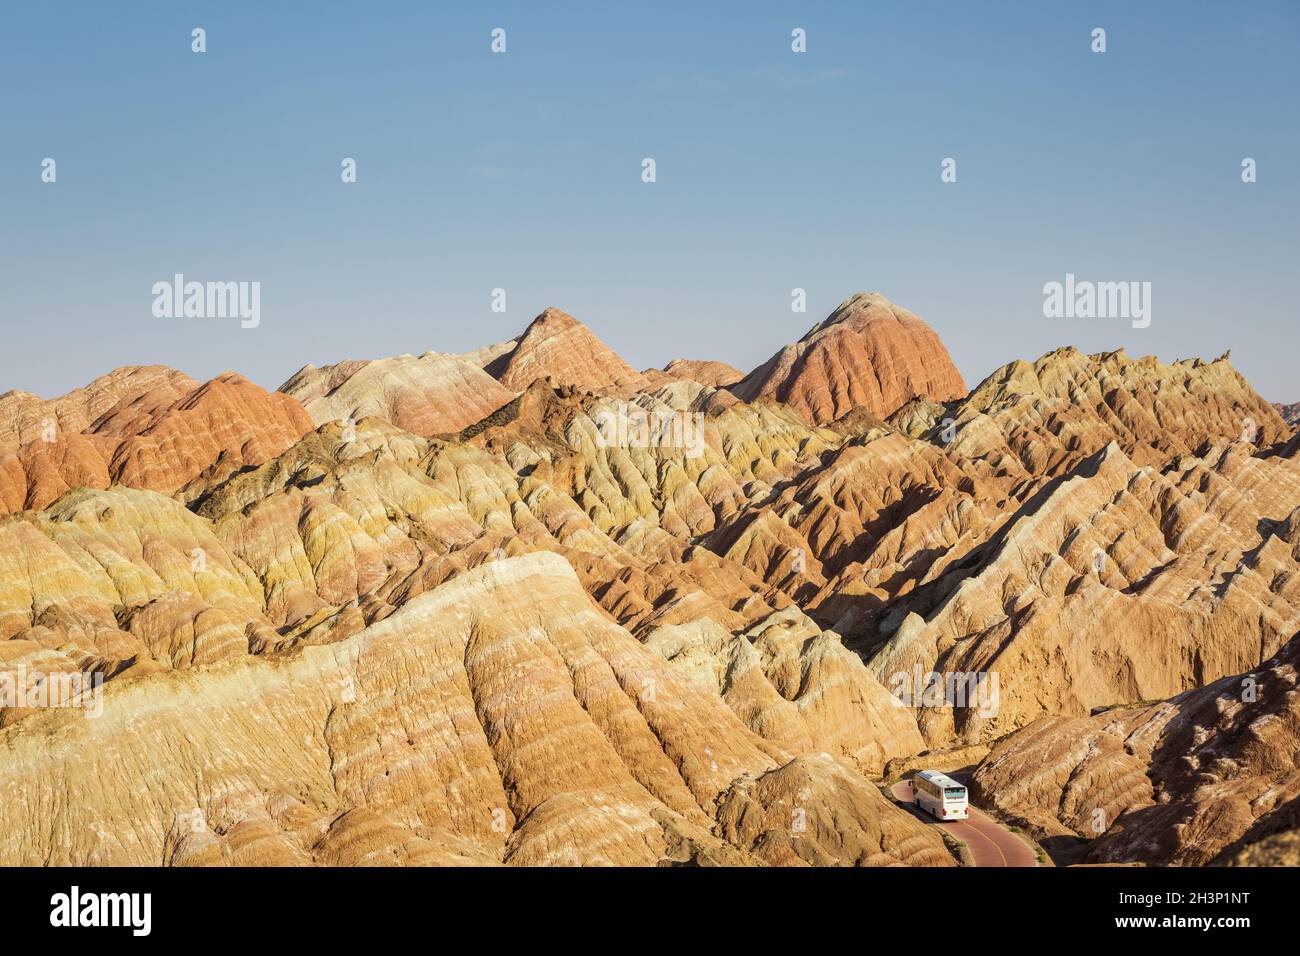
(775, 170)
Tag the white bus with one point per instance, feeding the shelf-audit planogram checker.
(939, 795)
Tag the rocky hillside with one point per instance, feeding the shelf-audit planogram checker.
(1209, 776)
(433, 610)
(431, 394)
(869, 353)
(558, 347)
(162, 439)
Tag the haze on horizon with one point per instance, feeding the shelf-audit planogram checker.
(522, 171)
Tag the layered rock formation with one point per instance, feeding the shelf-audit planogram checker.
(432, 394)
(1038, 419)
(25, 418)
(713, 374)
(1209, 776)
(558, 347)
(498, 718)
(162, 440)
(1135, 508)
(589, 615)
(869, 353)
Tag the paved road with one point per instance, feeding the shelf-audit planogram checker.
(990, 843)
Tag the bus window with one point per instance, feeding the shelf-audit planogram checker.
(954, 793)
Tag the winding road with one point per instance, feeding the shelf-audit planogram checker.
(989, 842)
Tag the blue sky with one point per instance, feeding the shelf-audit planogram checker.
(775, 170)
